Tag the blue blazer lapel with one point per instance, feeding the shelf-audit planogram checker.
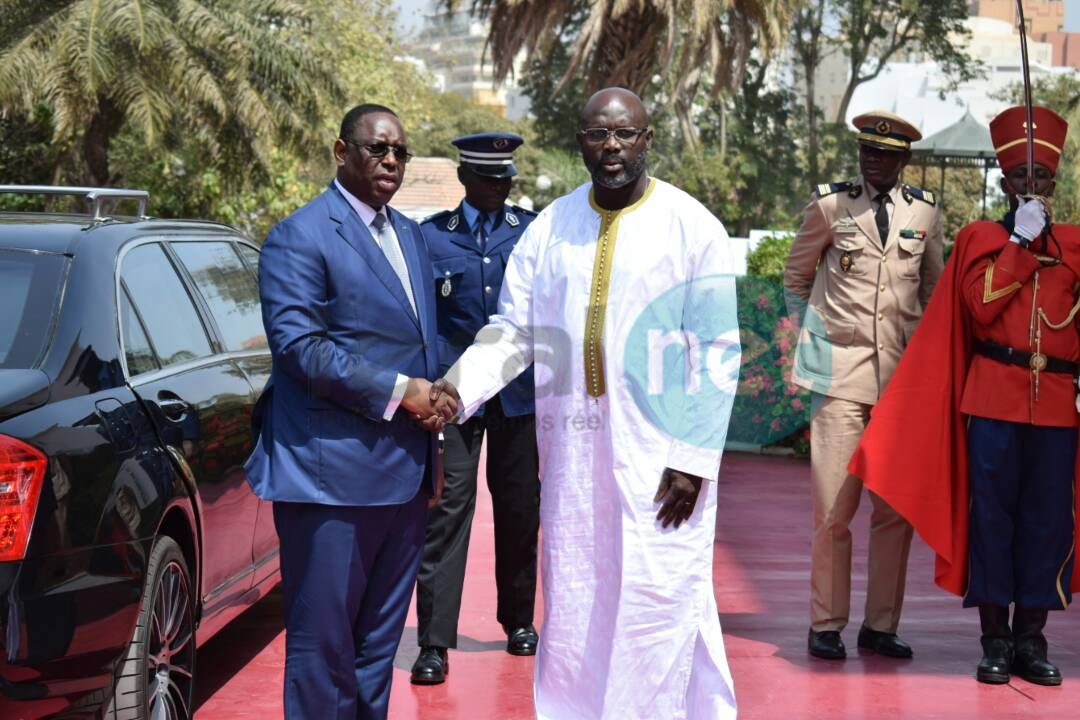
(353, 232)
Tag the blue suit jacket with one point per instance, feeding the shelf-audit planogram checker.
(340, 329)
(467, 284)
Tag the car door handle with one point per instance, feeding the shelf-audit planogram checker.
(172, 406)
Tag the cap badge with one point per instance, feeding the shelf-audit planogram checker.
(883, 127)
(500, 143)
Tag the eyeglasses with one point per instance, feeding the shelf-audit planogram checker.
(625, 135)
(381, 150)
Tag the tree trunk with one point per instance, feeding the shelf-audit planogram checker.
(687, 128)
(104, 124)
(812, 127)
(806, 39)
(723, 129)
(849, 92)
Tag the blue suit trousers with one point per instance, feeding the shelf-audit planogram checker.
(347, 576)
(1021, 534)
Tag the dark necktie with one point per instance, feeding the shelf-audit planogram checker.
(881, 216)
(481, 230)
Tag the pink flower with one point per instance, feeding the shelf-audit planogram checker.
(797, 403)
(775, 425)
(784, 344)
(762, 301)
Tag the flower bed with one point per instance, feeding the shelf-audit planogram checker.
(768, 410)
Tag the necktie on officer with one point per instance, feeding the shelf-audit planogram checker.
(881, 216)
(480, 231)
(388, 242)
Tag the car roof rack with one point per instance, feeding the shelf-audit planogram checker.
(95, 196)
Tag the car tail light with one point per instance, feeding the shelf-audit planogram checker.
(22, 471)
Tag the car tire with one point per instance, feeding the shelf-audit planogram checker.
(156, 677)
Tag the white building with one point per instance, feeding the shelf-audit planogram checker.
(914, 90)
(451, 47)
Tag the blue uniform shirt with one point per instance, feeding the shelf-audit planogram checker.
(467, 283)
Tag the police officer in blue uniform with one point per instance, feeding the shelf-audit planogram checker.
(469, 248)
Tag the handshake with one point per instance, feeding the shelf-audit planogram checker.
(431, 404)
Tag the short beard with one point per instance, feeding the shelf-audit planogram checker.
(630, 173)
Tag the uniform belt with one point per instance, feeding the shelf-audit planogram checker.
(1023, 358)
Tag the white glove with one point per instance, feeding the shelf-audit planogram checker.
(1030, 220)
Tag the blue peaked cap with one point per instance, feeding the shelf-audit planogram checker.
(490, 153)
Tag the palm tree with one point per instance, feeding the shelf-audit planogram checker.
(223, 71)
(630, 42)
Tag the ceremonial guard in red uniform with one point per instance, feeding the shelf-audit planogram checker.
(987, 389)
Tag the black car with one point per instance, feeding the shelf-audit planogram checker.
(131, 355)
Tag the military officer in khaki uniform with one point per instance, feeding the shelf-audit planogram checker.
(860, 272)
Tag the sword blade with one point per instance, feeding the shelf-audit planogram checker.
(1029, 126)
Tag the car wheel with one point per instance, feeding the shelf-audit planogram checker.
(156, 678)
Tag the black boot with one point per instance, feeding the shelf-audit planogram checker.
(1030, 662)
(997, 645)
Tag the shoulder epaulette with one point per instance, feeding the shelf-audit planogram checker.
(523, 211)
(853, 190)
(436, 217)
(910, 192)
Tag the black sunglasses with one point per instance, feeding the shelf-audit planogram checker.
(381, 149)
(625, 135)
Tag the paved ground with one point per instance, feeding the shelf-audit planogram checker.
(762, 565)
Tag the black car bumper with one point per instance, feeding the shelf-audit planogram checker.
(64, 623)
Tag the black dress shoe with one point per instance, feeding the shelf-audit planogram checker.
(826, 645)
(522, 640)
(882, 643)
(993, 669)
(1030, 660)
(431, 668)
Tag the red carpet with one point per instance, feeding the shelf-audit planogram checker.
(762, 567)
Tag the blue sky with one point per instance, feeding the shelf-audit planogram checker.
(410, 13)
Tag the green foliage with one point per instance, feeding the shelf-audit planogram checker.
(27, 153)
(443, 116)
(768, 408)
(557, 109)
(226, 71)
(769, 258)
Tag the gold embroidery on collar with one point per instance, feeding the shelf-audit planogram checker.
(598, 293)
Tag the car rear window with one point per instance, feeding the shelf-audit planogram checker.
(31, 285)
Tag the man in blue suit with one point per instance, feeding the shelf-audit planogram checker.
(469, 249)
(350, 314)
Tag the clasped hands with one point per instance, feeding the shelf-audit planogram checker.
(431, 404)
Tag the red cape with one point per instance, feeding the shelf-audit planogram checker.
(913, 453)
